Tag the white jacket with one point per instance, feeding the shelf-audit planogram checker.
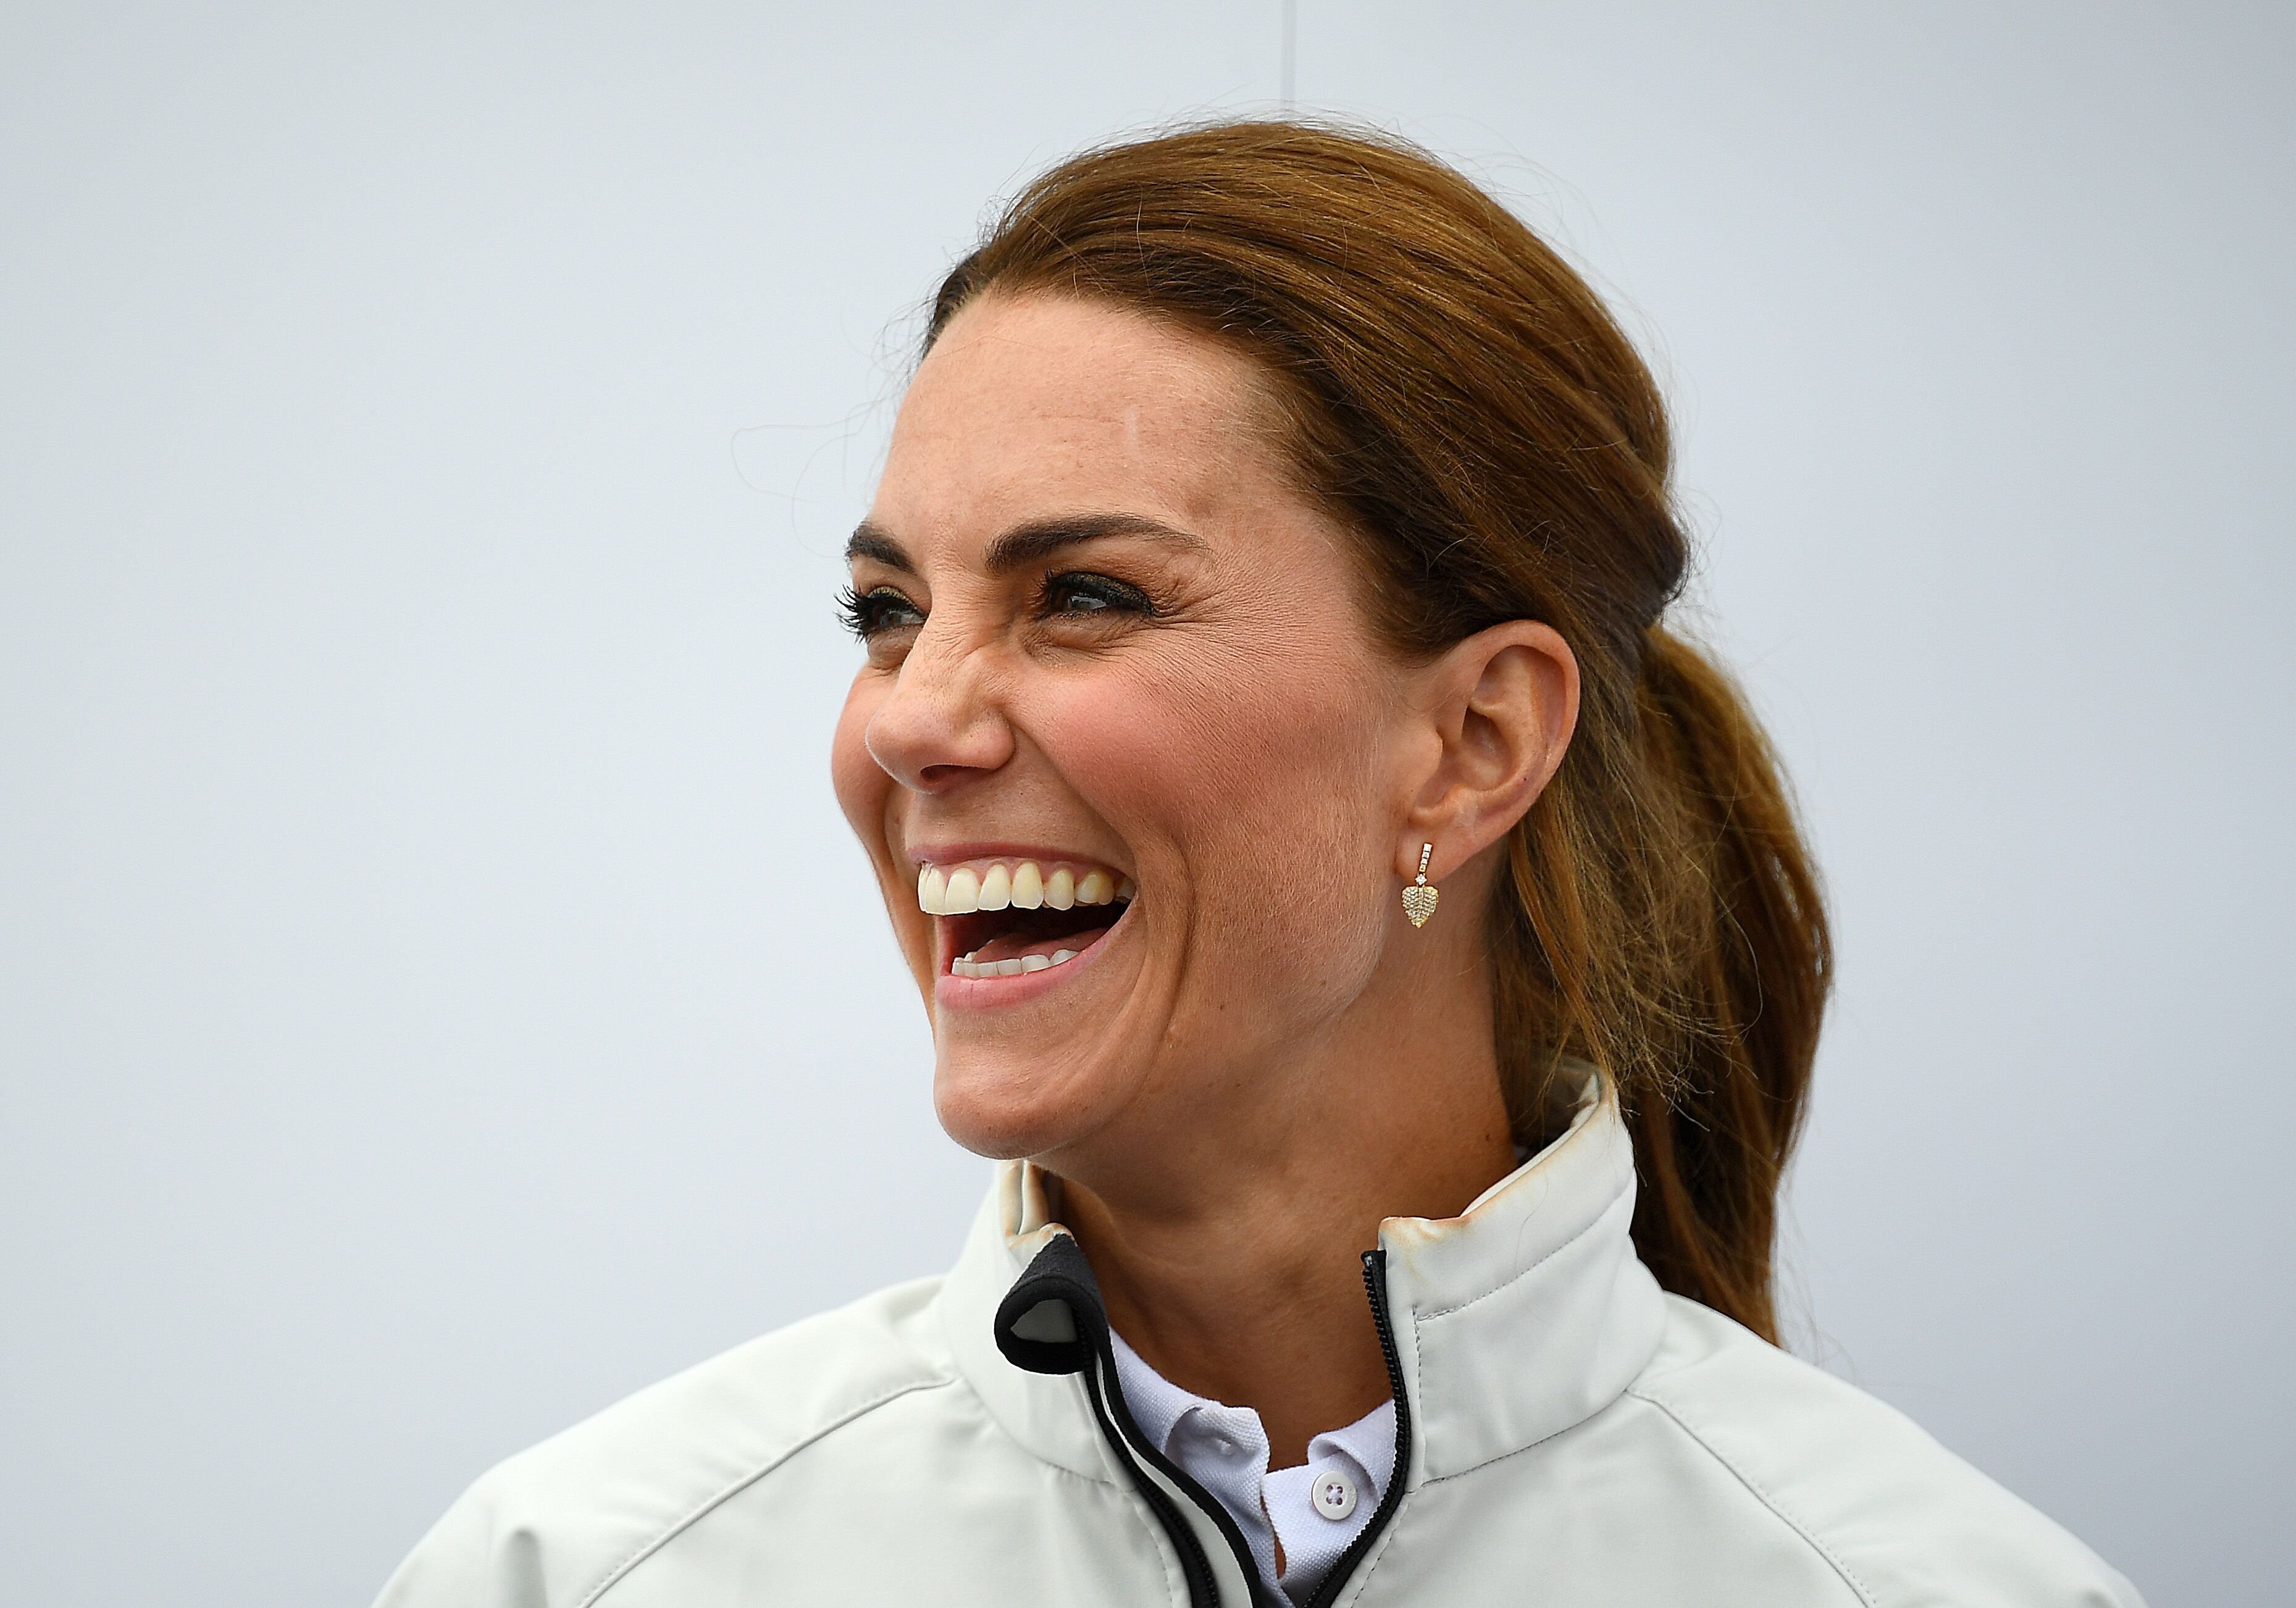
(1570, 1434)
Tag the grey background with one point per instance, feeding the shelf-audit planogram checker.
(437, 993)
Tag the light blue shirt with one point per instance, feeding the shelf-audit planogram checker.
(1317, 1509)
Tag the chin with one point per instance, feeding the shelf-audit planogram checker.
(1006, 1111)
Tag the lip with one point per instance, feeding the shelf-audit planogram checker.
(956, 993)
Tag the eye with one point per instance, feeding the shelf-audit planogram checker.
(879, 610)
(1082, 594)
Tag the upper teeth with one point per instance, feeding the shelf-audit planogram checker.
(1021, 883)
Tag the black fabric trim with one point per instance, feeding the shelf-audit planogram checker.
(1203, 1586)
(1060, 1272)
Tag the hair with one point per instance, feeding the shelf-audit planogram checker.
(1463, 402)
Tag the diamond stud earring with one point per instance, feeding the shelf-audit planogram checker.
(1419, 898)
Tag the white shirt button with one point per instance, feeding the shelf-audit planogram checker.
(1336, 1494)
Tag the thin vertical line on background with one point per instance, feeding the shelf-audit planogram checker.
(1291, 47)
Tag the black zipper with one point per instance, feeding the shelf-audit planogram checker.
(1374, 1273)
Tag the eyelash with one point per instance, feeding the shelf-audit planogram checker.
(1113, 596)
(864, 613)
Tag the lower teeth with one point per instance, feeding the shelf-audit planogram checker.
(965, 965)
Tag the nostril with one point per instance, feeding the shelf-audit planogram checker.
(932, 745)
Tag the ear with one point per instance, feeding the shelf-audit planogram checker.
(1501, 705)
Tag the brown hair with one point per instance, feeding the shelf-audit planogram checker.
(1464, 402)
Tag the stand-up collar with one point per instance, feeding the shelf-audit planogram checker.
(1520, 1317)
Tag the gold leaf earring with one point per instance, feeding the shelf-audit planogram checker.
(1419, 898)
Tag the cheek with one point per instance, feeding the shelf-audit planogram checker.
(1257, 793)
(861, 783)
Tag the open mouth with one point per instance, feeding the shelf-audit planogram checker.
(1006, 918)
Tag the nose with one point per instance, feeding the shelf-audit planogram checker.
(938, 725)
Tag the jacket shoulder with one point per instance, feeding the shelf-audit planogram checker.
(1905, 1522)
(556, 1525)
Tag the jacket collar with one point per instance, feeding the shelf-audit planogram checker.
(1514, 1321)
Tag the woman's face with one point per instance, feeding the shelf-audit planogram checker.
(1122, 727)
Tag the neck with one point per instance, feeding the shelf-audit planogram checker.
(1228, 1247)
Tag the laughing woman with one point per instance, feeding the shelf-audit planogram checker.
(1380, 950)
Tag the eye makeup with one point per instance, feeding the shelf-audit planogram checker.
(872, 613)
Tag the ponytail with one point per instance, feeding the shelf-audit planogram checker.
(1710, 1147)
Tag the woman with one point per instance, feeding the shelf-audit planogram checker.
(1382, 952)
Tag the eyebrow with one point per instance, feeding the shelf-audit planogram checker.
(1026, 544)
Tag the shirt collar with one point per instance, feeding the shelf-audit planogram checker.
(1159, 1407)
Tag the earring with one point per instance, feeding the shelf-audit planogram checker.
(1419, 898)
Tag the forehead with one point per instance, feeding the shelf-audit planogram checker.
(1037, 404)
